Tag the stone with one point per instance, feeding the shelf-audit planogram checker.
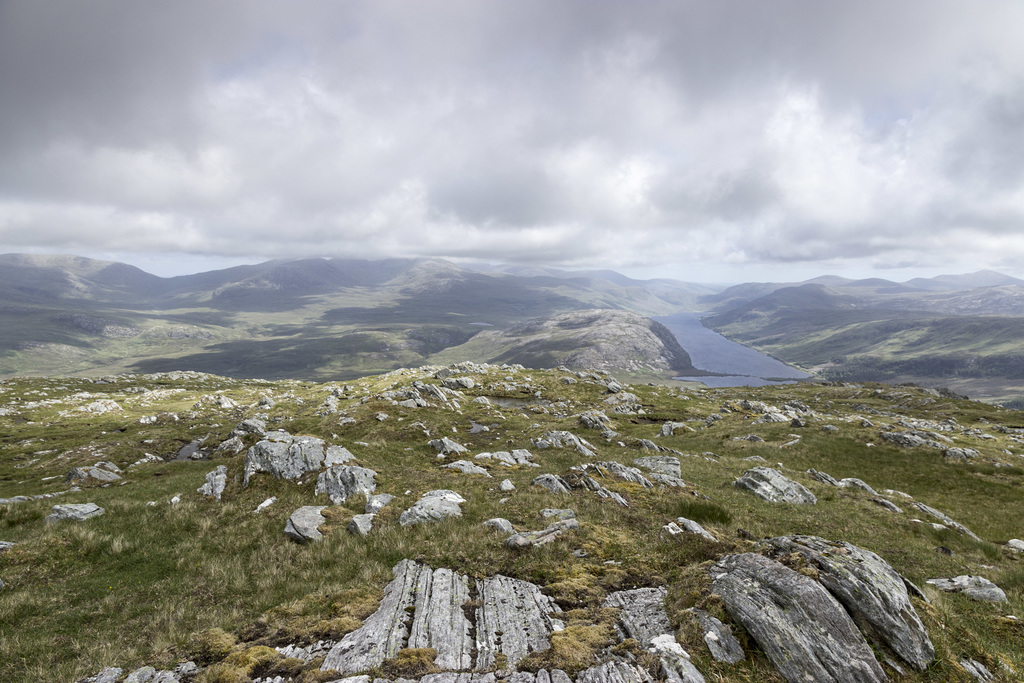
(853, 482)
(669, 428)
(976, 587)
(593, 419)
(667, 480)
(514, 619)
(6, 545)
(233, 446)
(92, 472)
(675, 661)
(823, 477)
(303, 525)
(467, 467)
(251, 426)
(361, 525)
(433, 506)
(75, 512)
(500, 524)
(215, 483)
(960, 453)
(532, 539)
(378, 502)
(341, 482)
(767, 484)
(642, 614)
(721, 642)
(506, 485)
(617, 470)
(560, 513)
(445, 446)
(290, 457)
(694, 528)
(946, 520)
(560, 439)
(111, 674)
(553, 483)
(802, 629)
(977, 670)
(662, 464)
(265, 504)
(614, 671)
(872, 592)
(888, 505)
(1015, 544)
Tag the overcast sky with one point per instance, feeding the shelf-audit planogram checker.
(708, 140)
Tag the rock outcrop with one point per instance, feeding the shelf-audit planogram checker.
(75, 512)
(767, 484)
(304, 524)
(290, 457)
(340, 482)
(433, 506)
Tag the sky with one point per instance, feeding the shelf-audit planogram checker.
(704, 140)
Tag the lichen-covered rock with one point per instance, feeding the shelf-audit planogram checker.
(361, 525)
(768, 484)
(93, 472)
(500, 524)
(530, 539)
(303, 525)
(433, 506)
(617, 470)
(614, 671)
(803, 629)
(378, 502)
(642, 616)
(663, 464)
(466, 467)
(976, 587)
(553, 483)
(518, 457)
(719, 638)
(215, 482)
(290, 457)
(75, 512)
(694, 528)
(340, 482)
(675, 661)
(513, 619)
(445, 446)
(559, 439)
(872, 592)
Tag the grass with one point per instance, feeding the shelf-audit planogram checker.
(214, 582)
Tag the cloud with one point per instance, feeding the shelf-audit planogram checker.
(573, 133)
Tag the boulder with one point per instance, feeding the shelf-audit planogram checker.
(946, 520)
(303, 525)
(93, 472)
(614, 671)
(445, 446)
(215, 482)
(467, 467)
(976, 587)
(617, 470)
(519, 456)
(361, 524)
(872, 592)
(506, 485)
(694, 528)
(767, 484)
(343, 481)
(378, 502)
(662, 464)
(433, 506)
(290, 457)
(593, 419)
(532, 539)
(553, 483)
(560, 439)
(75, 512)
(500, 524)
(559, 513)
(642, 613)
(719, 638)
(804, 631)
(675, 661)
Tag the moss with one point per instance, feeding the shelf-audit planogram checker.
(410, 663)
(573, 649)
(223, 673)
(254, 660)
(211, 645)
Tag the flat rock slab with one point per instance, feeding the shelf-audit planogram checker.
(976, 587)
(466, 467)
(75, 512)
(290, 457)
(433, 506)
(722, 644)
(804, 631)
(946, 519)
(303, 525)
(92, 472)
(340, 482)
(532, 539)
(642, 616)
(614, 672)
(872, 592)
(769, 485)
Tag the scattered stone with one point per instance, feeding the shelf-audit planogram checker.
(232, 446)
(661, 464)
(853, 482)
(506, 485)
(519, 456)
(593, 419)
(642, 616)
(1015, 544)
(804, 631)
(977, 670)
(340, 482)
(445, 446)
(694, 528)
(553, 483)
(823, 477)
(290, 457)
(361, 524)
(618, 470)
(560, 513)
(500, 524)
(467, 467)
(976, 587)
(830, 428)
(669, 429)
(265, 504)
(93, 472)
(303, 526)
(946, 520)
(75, 512)
(667, 480)
(378, 502)
(888, 505)
(433, 506)
(719, 638)
(769, 485)
(675, 661)
(558, 439)
(215, 483)
(532, 539)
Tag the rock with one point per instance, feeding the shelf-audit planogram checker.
(642, 616)
(500, 524)
(960, 453)
(290, 457)
(675, 661)
(769, 485)
(519, 456)
(215, 482)
(75, 512)
(559, 439)
(976, 587)
(340, 482)
(445, 446)
(578, 480)
(467, 467)
(823, 477)
(830, 428)
(251, 426)
(109, 675)
(148, 674)
(513, 619)
(614, 672)
(532, 539)
(804, 631)
(977, 670)
(506, 485)
(694, 528)
(662, 464)
(233, 445)
(1015, 544)
(853, 482)
(378, 502)
(304, 523)
(456, 383)
(872, 592)
(560, 513)
(92, 472)
(433, 506)
(361, 524)
(672, 530)
(888, 505)
(265, 504)
(719, 638)
(617, 470)
(553, 483)
(946, 520)
(593, 419)
(6, 545)
(667, 480)
(912, 439)
(669, 428)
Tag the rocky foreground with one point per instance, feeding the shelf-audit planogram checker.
(479, 523)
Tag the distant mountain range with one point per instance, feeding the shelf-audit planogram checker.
(338, 318)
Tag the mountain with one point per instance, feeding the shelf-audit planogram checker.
(191, 528)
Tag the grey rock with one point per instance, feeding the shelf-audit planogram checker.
(977, 670)
(109, 675)
(560, 513)
(456, 383)
(661, 464)
(888, 505)
(767, 484)
(675, 661)
(913, 439)
(215, 482)
(553, 483)
(361, 525)
(617, 470)
(823, 477)
(506, 485)
(251, 426)
(804, 631)
(75, 512)
(960, 453)
(578, 480)
(439, 621)
(290, 457)
(1013, 544)
(378, 502)
(148, 674)
(614, 672)
(694, 528)
(500, 524)
(6, 545)
(853, 482)
(593, 419)
(642, 616)
(445, 446)
(92, 472)
(560, 439)
(532, 539)
(467, 467)
(871, 591)
(340, 482)
(719, 638)
(433, 506)
(233, 445)
(669, 428)
(304, 523)
(667, 480)
(976, 587)
(517, 457)
(513, 619)
(830, 428)
(946, 520)
(671, 530)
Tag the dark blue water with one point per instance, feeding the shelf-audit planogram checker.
(741, 365)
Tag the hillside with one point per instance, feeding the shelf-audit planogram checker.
(248, 530)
